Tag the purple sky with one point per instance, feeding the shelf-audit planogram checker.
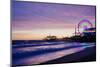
(36, 20)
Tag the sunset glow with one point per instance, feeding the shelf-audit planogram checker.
(35, 21)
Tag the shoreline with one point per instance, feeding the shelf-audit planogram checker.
(89, 54)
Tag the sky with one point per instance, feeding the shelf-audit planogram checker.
(36, 20)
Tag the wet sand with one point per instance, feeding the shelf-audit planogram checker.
(89, 54)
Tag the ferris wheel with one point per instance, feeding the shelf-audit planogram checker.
(84, 24)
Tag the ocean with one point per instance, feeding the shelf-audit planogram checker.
(37, 52)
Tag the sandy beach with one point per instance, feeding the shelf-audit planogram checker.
(87, 55)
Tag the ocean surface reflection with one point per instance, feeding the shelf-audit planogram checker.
(43, 52)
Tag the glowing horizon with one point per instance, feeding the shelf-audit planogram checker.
(34, 35)
(34, 20)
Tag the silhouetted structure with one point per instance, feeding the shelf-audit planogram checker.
(89, 32)
(88, 35)
(51, 38)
